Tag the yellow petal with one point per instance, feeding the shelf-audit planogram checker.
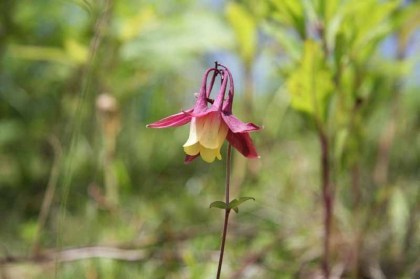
(219, 156)
(221, 135)
(208, 136)
(213, 132)
(192, 150)
(193, 137)
(207, 154)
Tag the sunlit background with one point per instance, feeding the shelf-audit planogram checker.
(87, 191)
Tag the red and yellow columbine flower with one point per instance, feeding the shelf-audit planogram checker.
(212, 122)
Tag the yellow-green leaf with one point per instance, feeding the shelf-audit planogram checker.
(234, 204)
(132, 27)
(40, 53)
(76, 51)
(244, 26)
(290, 13)
(311, 82)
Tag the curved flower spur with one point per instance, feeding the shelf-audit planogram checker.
(212, 121)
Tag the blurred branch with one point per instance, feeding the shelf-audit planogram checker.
(412, 226)
(49, 193)
(75, 127)
(386, 139)
(137, 251)
(108, 112)
(380, 173)
(82, 253)
(101, 252)
(7, 26)
(99, 32)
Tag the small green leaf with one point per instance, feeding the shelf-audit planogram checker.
(218, 204)
(232, 202)
(236, 202)
(236, 209)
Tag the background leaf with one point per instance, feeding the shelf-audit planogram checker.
(310, 83)
(245, 29)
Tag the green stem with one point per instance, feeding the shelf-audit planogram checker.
(227, 211)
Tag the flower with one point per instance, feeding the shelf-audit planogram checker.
(212, 122)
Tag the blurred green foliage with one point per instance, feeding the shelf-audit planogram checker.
(346, 65)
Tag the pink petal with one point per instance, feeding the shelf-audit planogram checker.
(197, 113)
(175, 120)
(237, 126)
(201, 102)
(227, 105)
(188, 158)
(218, 101)
(243, 143)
